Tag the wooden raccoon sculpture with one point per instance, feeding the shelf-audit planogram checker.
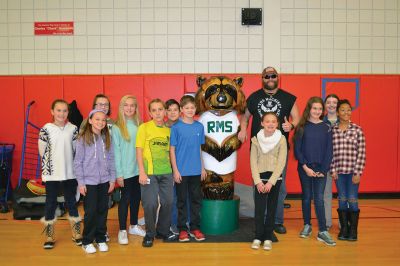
(219, 100)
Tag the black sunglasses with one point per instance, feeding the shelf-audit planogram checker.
(272, 76)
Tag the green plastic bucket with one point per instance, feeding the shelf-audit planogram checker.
(219, 217)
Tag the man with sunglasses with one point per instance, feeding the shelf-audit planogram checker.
(270, 98)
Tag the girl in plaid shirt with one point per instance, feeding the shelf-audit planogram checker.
(346, 168)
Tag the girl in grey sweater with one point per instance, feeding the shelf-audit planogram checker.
(94, 169)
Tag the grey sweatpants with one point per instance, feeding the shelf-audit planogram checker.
(328, 200)
(160, 187)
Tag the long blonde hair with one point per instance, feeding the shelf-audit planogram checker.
(121, 120)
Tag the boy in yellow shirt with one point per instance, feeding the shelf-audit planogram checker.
(155, 174)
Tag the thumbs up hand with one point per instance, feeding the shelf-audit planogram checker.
(286, 125)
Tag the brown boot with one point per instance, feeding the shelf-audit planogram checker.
(49, 232)
(75, 223)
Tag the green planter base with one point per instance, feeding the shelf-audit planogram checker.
(219, 217)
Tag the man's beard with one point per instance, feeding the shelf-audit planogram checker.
(270, 88)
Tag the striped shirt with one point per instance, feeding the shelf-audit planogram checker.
(348, 150)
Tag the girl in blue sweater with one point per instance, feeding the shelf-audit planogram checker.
(124, 142)
(313, 150)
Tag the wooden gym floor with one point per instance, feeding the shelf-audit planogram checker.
(378, 244)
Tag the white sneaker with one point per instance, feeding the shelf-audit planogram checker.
(103, 247)
(256, 244)
(136, 230)
(141, 221)
(89, 249)
(122, 237)
(267, 245)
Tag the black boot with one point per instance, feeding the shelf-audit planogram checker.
(353, 225)
(344, 225)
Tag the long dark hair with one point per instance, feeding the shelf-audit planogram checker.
(306, 114)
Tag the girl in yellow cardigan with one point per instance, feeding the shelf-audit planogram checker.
(267, 161)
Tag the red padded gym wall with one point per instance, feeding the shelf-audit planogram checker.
(190, 83)
(379, 119)
(82, 89)
(43, 90)
(162, 86)
(398, 139)
(117, 86)
(12, 118)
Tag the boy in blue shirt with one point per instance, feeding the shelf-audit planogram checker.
(187, 136)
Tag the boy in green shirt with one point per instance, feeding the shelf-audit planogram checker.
(155, 174)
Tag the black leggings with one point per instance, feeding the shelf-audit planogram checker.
(265, 223)
(95, 205)
(130, 195)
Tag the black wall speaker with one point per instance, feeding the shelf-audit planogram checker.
(251, 16)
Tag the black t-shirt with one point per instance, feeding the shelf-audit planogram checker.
(259, 103)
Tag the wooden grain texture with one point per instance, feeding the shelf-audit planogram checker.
(378, 244)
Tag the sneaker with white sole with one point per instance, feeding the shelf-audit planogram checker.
(267, 245)
(89, 249)
(306, 232)
(326, 238)
(174, 229)
(197, 234)
(256, 244)
(103, 247)
(136, 230)
(123, 237)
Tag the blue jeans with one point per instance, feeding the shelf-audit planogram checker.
(313, 188)
(52, 188)
(347, 193)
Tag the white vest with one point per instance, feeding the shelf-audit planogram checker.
(219, 128)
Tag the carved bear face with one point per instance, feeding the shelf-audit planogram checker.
(220, 93)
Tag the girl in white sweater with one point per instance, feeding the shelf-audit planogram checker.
(56, 148)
